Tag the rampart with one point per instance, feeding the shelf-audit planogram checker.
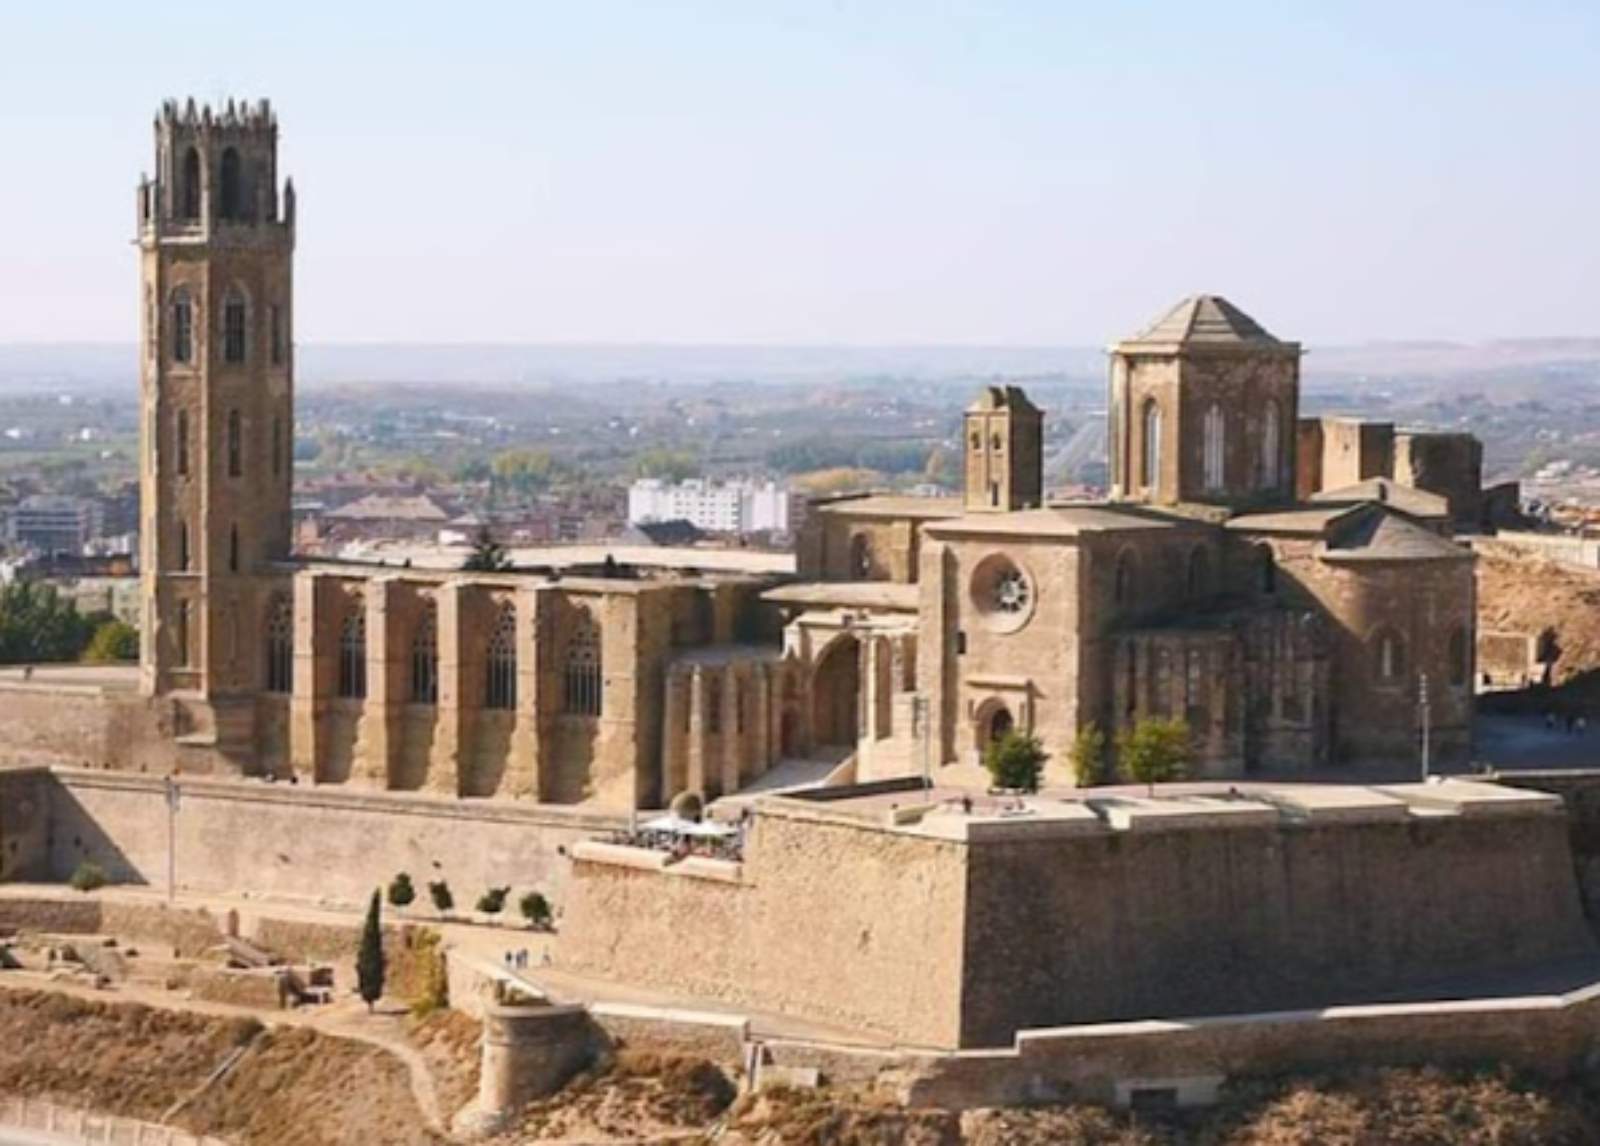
(948, 930)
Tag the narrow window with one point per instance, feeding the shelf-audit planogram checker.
(738, 706)
(189, 186)
(275, 319)
(425, 657)
(1271, 471)
(150, 342)
(233, 549)
(277, 446)
(1215, 444)
(582, 673)
(235, 445)
(1152, 444)
(353, 653)
(1269, 568)
(500, 689)
(231, 185)
(183, 546)
(182, 327)
(233, 329)
(280, 645)
(1460, 658)
(181, 634)
(1390, 657)
(181, 450)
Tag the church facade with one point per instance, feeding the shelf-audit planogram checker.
(1293, 631)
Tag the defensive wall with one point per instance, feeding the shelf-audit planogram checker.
(234, 836)
(937, 928)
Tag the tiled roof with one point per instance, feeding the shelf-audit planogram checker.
(1206, 320)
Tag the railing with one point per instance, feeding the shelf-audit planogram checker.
(72, 1127)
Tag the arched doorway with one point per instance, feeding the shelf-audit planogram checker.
(836, 693)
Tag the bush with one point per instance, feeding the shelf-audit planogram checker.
(401, 892)
(1089, 756)
(434, 994)
(1015, 761)
(535, 909)
(1154, 752)
(113, 641)
(439, 892)
(493, 901)
(88, 876)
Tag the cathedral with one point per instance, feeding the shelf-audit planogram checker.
(1297, 621)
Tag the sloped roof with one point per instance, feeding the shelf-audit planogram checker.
(1387, 491)
(1384, 535)
(1207, 321)
(1003, 398)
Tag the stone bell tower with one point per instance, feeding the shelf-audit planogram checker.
(1005, 451)
(216, 242)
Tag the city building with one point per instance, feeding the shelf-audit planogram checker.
(716, 507)
(56, 523)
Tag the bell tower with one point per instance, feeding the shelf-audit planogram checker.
(1004, 434)
(216, 244)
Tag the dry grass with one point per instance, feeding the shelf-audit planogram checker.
(635, 1097)
(452, 1044)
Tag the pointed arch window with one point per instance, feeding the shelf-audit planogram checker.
(425, 657)
(1389, 656)
(232, 186)
(1215, 445)
(582, 692)
(235, 329)
(280, 645)
(182, 326)
(1151, 476)
(189, 185)
(353, 652)
(1271, 470)
(235, 444)
(500, 687)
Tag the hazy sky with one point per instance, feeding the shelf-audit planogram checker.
(819, 172)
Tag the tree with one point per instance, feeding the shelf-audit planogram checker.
(666, 464)
(439, 892)
(535, 909)
(1088, 756)
(1015, 761)
(369, 959)
(401, 892)
(488, 555)
(1154, 752)
(37, 624)
(493, 901)
(113, 641)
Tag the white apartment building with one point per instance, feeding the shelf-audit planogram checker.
(717, 507)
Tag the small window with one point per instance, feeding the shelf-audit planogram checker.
(233, 329)
(1152, 445)
(353, 653)
(277, 446)
(181, 444)
(183, 546)
(233, 549)
(189, 186)
(275, 318)
(1389, 653)
(1123, 587)
(235, 444)
(182, 327)
(1460, 657)
(180, 634)
(500, 687)
(232, 186)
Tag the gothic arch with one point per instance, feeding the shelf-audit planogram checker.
(1388, 655)
(836, 692)
(500, 661)
(425, 655)
(1214, 448)
(353, 651)
(232, 185)
(279, 629)
(189, 185)
(582, 691)
(1150, 445)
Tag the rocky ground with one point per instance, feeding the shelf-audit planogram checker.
(1528, 594)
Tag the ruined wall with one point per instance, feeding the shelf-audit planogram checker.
(878, 951)
(24, 824)
(311, 842)
(1088, 928)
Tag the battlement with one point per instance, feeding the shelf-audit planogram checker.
(234, 115)
(215, 168)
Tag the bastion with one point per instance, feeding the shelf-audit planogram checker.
(909, 916)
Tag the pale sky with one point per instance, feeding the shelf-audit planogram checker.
(816, 172)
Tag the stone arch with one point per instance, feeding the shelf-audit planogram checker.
(352, 684)
(182, 348)
(836, 693)
(189, 185)
(993, 720)
(235, 326)
(500, 660)
(582, 692)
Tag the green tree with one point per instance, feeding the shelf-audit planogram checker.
(1088, 756)
(1154, 752)
(523, 472)
(439, 892)
(38, 624)
(369, 959)
(666, 464)
(493, 901)
(401, 892)
(488, 555)
(535, 909)
(113, 641)
(1015, 761)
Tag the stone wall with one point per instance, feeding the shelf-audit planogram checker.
(24, 823)
(304, 841)
(48, 724)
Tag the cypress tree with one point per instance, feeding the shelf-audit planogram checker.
(369, 960)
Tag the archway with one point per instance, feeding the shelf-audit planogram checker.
(1001, 722)
(836, 694)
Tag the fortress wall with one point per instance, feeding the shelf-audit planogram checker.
(309, 842)
(1096, 927)
(84, 727)
(828, 919)
(24, 823)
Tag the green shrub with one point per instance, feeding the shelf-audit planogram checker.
(1154, 752)
(535, 909)
(1015, 761)
(434, 994)
(89, 876)
(439, 892)
(493, 901)
(401, 892)
(1088, 756)
(113, 641)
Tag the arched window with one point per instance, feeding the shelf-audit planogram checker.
(582, 694)
(232, 186)
(1123, 586)
(1460, 657)
(1271, 471)
(181, 445)
(234, 329)
(1389, 656)
(277, 445)
(353, 652)
(1152, 445)
(189, 185)
(1199, 581)
(280, 645)
(1214, 447)
(861, 557)
(425, 657)
(500, 685)
(235, 445)
(182, 326)
(233, 549)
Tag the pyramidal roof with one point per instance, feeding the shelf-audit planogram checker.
(1383, 535)
(1207, 320)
